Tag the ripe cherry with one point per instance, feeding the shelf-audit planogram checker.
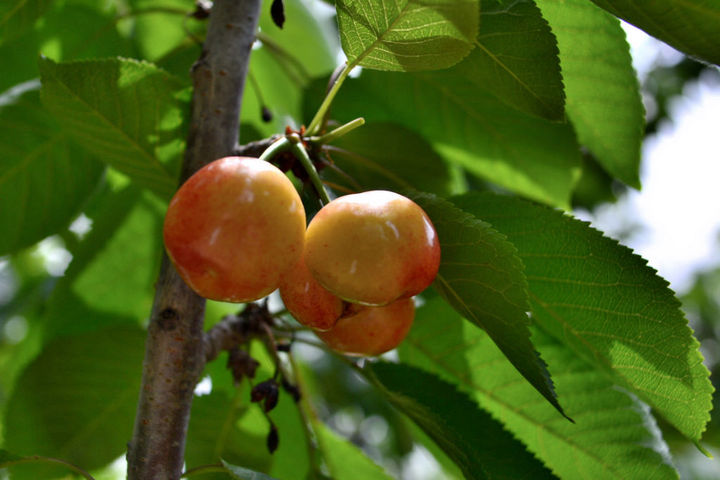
(372, 248)
(372, 330)
(234, 228)
(307, 300)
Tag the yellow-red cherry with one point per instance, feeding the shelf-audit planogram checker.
(234, 228)
(372, 330)
(372, 248)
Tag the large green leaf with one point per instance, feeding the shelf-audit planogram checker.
(469, 127)
(123, 111)
(690, 26)
(407, 35)
(473, 439)
(44, 177)
(605, 303)
(482, 278)
(387, 156)
(344, 460)
(77, 399)
(18, 16)
(517, 58)
(613, 437)
(603, 98)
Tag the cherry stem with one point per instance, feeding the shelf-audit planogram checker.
(293, 143)
(318, 120)
(298, 149)
(280, 145)
(338, 132)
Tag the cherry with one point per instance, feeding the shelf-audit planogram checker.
(372, 248)
(372, 330)
(234, 228)
(307, 300)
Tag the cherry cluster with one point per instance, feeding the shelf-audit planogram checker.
(236, 231)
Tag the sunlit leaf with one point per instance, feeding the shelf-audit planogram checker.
(603, 97)
(605, 303)
(516, 58)
(614, 435)
(469, 127)
(482, 278)
(407, 35)
(689, 26)
(111, 277)
(123, 111)
(346, 461)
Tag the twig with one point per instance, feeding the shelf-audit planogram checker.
(234, 330)
(175, 348)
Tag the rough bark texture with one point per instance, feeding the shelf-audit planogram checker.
(175, 356)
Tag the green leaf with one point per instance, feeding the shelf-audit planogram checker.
(603, 97)
(19, 16)
(388, 156)
(345, 461)
(7, 457)
(123, 111)
(114, 267)
(241, 473)
(517, 58)
(407, 35)
(95, 32)
(77, 399)
(594, 187)
(482, 278)
(614, 435)
(44, 177)
(605, 303)
(689, 26)
(472, 438)
(470, 128)
(157, 33)
(214, 435)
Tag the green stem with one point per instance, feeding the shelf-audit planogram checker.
(338, 132)
(319, 119)
(41, 459)
(295, 145)
(299, 150)
(309, 418)
(280, 145)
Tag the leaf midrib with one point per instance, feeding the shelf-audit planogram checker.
(156, 166)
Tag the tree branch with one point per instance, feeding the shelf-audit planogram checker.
(175, 350)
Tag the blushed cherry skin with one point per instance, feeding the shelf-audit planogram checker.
(307, 300)
(373, 330)
(372, 248)
(234, 228)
